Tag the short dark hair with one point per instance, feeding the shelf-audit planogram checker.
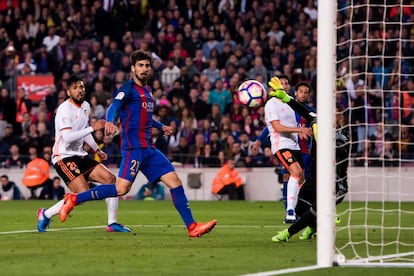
(140, 55)
(73, 79)
(302, 83)
(284, 77)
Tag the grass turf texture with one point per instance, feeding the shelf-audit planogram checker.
(158, 243)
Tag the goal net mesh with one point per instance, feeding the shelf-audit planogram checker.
(374, 86)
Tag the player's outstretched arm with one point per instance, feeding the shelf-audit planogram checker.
(278, 92)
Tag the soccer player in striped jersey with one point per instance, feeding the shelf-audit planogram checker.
(133, 105)
(69, 158)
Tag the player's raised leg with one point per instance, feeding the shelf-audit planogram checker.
(195, 229)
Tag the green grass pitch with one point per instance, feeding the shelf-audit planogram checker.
(158, 244)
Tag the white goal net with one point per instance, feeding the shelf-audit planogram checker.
(375, 86)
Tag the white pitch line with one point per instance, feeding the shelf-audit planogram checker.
(132, 226)
(284, 271)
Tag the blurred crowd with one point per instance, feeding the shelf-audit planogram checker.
(202, 50)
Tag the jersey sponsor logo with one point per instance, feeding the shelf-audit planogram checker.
(65, 120)
(148, 106)
(120, 95)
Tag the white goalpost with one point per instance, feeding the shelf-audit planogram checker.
(368, 71)
(326, 132)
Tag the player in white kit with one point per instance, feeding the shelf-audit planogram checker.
(71, 161)
(284, 133)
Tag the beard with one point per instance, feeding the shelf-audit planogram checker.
(79, 100)
(143, 78)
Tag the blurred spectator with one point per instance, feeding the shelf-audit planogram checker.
(367, 156)
(8, 189)
(228, 181)
(173, 139)
(209, 45)
(51, 40)
(361, 128)
(102, 95)
(255, 159)
(97, 109)
(201, 108)
(151, 191)
(15, 159)
(54, 190)
(407, 102)
(9, 137)
(187, 131)
(51, 99)
(406, 143)
(44, 138)
(220, 96)
(258, 69)
(193, 44)
(390, 155)
(103, 77)
(184, 114)
(245, 143)
(4, 151)
(25, 125)
(205, 129)
(23, 104)
(212, 72)
(378, 138)
(27, 66)
(276, 33)
(9, 61)
(162, 112)
(169, 74)
(181, 153)
(7, 107)
(196, 150)
(238, 155)
(215, 142)
(47, 153)
(114, 55)
(207, 159)
(36, 175)
(191, 68)
(42, 115)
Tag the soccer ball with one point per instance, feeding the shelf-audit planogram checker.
(251, 93)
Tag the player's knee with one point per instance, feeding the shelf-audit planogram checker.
(121, 190)
(174, 183)
(298, 174)
(171, 180)
(122, 187)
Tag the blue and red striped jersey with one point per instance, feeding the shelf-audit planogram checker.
(134, 105)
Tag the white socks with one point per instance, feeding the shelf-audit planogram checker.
(54, 210)
(292, 193)
(112, 205)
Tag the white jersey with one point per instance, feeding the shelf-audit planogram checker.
(69, 115)
(277, 110)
